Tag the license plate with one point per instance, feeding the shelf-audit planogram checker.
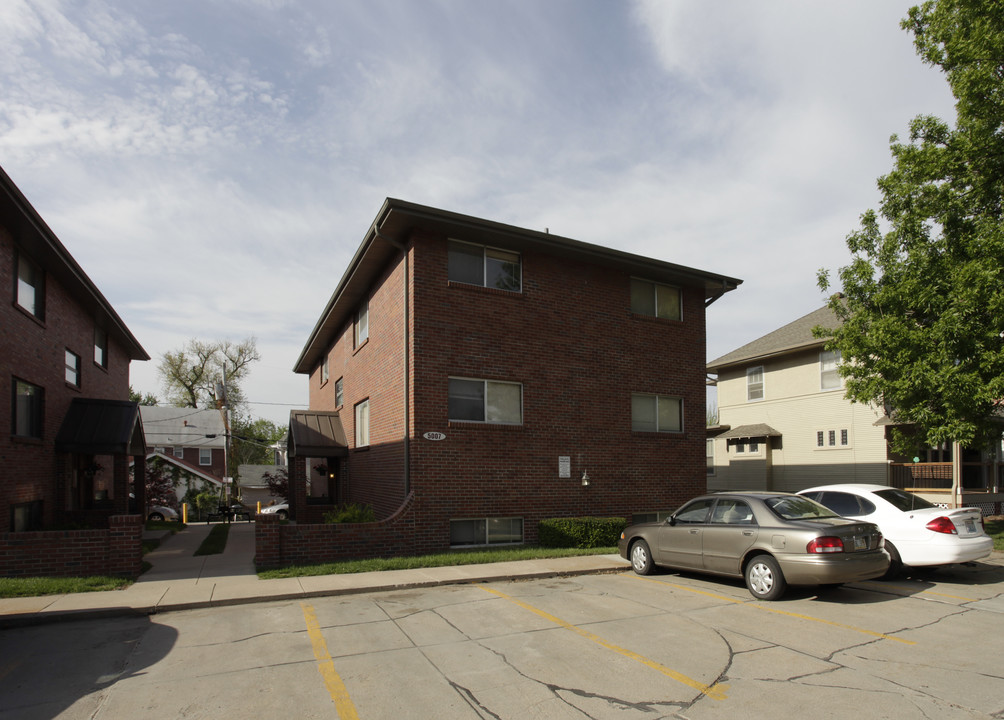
(860, 543)
(970, 526)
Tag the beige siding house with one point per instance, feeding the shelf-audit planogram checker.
(784, 422)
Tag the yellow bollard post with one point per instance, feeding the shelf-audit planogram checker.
(258, 511)
(184, 513)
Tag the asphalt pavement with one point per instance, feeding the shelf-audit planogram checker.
(179, 580)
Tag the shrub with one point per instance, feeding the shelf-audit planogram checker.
(351, 513)
(580, 532)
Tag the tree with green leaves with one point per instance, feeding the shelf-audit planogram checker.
(195, 375)
(922, 301)
(142, 399)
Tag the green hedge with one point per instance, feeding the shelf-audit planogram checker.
(580, 532)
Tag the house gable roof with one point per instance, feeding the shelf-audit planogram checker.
(794, 336)
(34, 235)
(397, 219)
(184, 427)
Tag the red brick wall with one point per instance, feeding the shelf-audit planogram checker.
(570, 338)
(75, 553)
(35, 352)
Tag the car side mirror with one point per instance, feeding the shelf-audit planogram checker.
(672, 520)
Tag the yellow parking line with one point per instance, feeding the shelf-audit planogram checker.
(715, 692)
(778, 612)
(326, 666)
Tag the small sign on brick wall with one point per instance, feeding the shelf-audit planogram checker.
(564, 466)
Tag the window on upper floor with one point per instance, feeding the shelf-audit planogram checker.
(324, 370)
(484, 266)
(833, 438)
(362, 423)
(72, 373)
(205, 456)
(656, 413)
(487, 401)
(754, 383)
(30, 291)
(361, 328)
(27, 407)
(655, 300)
(339, 392)
(179, 451)
(100, 347)
(829, 375)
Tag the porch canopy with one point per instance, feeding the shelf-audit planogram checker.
(102, 427)
(315, 433)
(743, 432)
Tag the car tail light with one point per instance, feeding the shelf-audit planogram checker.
(825, 545)
(942, 525)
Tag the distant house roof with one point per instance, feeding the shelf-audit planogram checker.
(794, 336)
(316, 434)
(397, 219)
(101, 427)
(186, 467)
(756, 430)
(184, 427)
(35, 236)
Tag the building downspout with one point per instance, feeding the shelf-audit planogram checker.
(406, 358)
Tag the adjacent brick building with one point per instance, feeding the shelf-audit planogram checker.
(69, 430)
(479, 377)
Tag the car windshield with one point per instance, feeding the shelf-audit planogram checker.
(797, 508)
(903, 500)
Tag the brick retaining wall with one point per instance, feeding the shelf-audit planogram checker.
(116, 551)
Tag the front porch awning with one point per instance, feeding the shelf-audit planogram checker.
(102, 427)
(316, 434)
(757, 430)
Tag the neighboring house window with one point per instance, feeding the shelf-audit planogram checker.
(324, 370)
(830, 438)
(179, 451)
(205, 456)
(488, 401)
(709, 450)
(661, 301)
(72, 369)
(484, 266)
(748, 446)
(29, 401)
(754, 383)
(30, 292)
(829, 376)
(361, 332)
(339, 392)
(100, 348)
(486, 531)
(656, 413)
(363, 424)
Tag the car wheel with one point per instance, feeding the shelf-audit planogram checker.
(282, 514)
(641, 558)
(156, 517)
(895, 562)
(764, 579)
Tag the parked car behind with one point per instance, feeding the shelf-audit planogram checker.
(281, 509)
(770, 539)
(917, 533)
(161, 513)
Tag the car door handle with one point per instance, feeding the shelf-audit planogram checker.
(747, 533)
(693, 532)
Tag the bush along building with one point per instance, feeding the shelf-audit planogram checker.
(470, 378)
(70, 431)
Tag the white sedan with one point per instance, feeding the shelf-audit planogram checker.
(917, 532)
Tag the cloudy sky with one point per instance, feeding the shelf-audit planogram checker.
(214, 164)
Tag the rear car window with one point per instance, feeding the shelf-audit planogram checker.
(796, 507)
(903, 500)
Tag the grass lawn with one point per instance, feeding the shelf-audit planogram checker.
(467, 557)
(995, 529)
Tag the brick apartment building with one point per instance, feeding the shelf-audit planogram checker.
(70, 430)
(470, 378)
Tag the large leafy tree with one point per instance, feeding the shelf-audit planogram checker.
(922, 302)
(192, 376)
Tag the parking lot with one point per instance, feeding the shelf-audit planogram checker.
(597, 646)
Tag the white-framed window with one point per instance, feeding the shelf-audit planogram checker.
(835, 438)
(361, 328)
(655, 300)
(487, 401)
(100, 347)
(486, 531)
(205, 456)
(324, 370)
(30, 291)
(28, 405)
(748, 446)
(72, 372)
(656, 413)
(484, 266)
(179, 451)
(709, 450)
(829, 376)
(339, 392)
(362, 424)
(754, 383)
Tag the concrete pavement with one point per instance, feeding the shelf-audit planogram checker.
(178, 580)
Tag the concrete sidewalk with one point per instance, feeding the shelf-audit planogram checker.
(180, 581)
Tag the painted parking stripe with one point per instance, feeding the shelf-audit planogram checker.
(776, 611)
(715, 692)
(326, 666)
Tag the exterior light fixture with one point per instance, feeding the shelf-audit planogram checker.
(585, 479)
